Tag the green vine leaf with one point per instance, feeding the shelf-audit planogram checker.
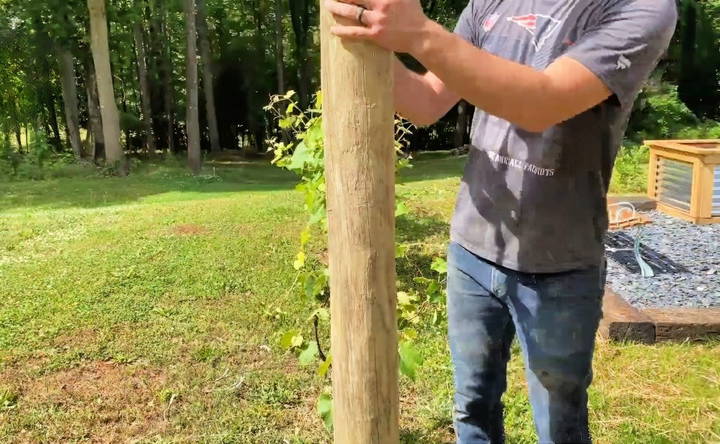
(324, 407)
(287, 122)
(290, 339)
(401, 209)
(324, 367)
(305, 236)
(401, 250)
(405, 299)
(410, 360)
(299, 261)
(300, 157)
(322, 313)
(317, 215)
(308, 355)
(440, 265)
(409, 334)
(297, 341)
(314, 135)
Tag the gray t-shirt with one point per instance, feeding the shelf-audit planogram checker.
(536, 202)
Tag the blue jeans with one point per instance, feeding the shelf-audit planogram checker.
(555, 316)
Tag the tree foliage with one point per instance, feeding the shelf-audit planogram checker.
(248, 50)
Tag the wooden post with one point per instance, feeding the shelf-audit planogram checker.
(358, 121)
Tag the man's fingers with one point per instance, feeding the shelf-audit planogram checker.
(350, 12)
(353, 32)
(370, 4)
(345, 10)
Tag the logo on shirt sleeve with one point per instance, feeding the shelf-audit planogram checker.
(540, 26)
(623, 62)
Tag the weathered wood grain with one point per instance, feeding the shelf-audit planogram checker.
(358, 116)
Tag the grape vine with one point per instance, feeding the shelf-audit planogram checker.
(300, 150)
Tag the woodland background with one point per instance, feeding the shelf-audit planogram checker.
(192, 76)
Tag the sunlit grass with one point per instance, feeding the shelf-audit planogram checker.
(149, 308)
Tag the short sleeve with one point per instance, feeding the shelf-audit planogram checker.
(626, 44)
(466, 25)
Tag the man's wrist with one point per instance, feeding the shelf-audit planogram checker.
(427, 33)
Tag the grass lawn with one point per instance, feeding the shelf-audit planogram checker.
(149, 309)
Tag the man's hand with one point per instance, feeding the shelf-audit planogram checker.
(392, 24)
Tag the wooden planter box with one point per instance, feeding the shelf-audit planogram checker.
(684, 178)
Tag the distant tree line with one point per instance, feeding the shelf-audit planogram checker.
(105, 79)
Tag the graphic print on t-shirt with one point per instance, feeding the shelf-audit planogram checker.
(489, 22)
(540, 26)
(530, 33)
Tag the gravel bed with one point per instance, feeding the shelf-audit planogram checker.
(694, 249)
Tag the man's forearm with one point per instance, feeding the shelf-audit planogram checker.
(416, 99)
(420, 98)
(531, 99)
(412, 95)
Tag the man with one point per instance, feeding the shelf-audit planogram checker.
(553, 83)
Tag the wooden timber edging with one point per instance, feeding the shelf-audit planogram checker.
(680, 324)
(623, 322)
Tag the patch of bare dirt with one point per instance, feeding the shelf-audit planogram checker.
(189, 230)
(103, 401)
(74, 337)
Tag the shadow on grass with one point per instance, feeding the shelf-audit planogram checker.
(416, 437)
(413, 264)
(85, 187)
(149, 181)
(438, 426)
(416, 229)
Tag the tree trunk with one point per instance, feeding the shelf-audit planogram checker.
(461, 125)
(280, 59)
(108, 107)
(145, 94)
(123, 90)
(168, 90)
(52, 117)
(70, 99)
(17, 125)
(95, 126)
(300, 17)
(208, 76)
(18, 137)
(193, 119)
(258, 14)
(359, 168)
(279, 49)
(45, 89)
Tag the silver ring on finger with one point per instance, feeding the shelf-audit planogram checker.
(360, 11)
